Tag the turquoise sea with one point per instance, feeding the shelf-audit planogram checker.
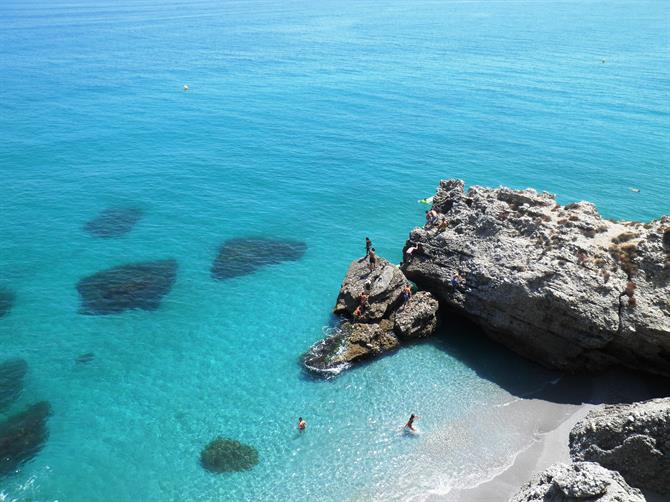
(320, 122)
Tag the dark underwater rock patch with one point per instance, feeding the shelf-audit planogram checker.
(132, 286)
(85, 358)
(22, 436)
(12, 373)
(244, 256)
(228, 455)
(114, 222)
(6, 301)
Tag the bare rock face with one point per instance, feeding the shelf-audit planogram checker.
(418, 317)
(633, 439)
(371, 327)
(383, 285)
(557, 284)
(583, 481)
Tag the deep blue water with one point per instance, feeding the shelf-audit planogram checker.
(320, 122)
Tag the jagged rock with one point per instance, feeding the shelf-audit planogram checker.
(418, 317)
(228, 455)
(242, 256)
(12, 373)
(557, 284)
(114, 222)
(383, 285)
(633, 439)
(583, 481)
(6, 301)
(22, 436)
(132, 286)
(350, 342)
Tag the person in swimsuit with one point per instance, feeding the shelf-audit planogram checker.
(410, 423)
(373, 259)
(406, 294)
(368, 246)
(302, 425)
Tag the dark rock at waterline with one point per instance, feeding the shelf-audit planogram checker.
(132, 286)
(85, 358)
(22, 436)
(348, 343)
(633, 439)
(228, 455)
(12, 373)
(6, 301)
(244, 256)
(114, 222)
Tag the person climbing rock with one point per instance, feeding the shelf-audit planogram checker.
(406, 294)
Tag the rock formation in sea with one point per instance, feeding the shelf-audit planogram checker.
(114, 222)
(131, 286)
(22, 436)
(558, 284)
(12, 373)
(633, 439)
(6, 301)
(579, 482)
(85, 358)
(227, 455)
(376, 326)
(242, 256)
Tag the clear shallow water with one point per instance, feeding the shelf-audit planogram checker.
(317, 122)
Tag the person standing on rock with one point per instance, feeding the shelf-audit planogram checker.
(406, 294)
(368, 246)
(373, 259)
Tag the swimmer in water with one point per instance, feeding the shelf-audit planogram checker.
(302, 425)
(410, 423)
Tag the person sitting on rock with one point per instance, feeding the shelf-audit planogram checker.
(406, 294)
(358, 312)
(368, 246)
(442, 224)
(373, 259)
(431, 218)
(457, 280)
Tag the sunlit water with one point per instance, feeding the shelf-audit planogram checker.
(320, 122)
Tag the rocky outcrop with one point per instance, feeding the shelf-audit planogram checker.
(374, 315)
(417, 318)
(557, 284)
(633, 439)
(583, 481)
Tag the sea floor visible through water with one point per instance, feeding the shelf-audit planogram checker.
(304, 122)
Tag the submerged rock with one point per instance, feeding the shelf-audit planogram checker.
(557, 284)
(12, 373)
(417, 318)
(633, 439)
(114, 222)
(350, 342)
(6, 301)
(22, 436)
(580, 482)
(383, 285)
(228, 455)
(85, 358)
(244, 256)
(132, 286)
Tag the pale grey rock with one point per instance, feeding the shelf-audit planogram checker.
(558, 284)
(583, 481)
(417, 318)
(633, 439)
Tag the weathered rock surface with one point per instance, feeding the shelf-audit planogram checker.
(132, 286)
(583, 481)
(383, 285)
(417, 318)
(633, 439)
(383, 318)
(557, 284)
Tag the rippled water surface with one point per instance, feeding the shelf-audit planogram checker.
(310, 122)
